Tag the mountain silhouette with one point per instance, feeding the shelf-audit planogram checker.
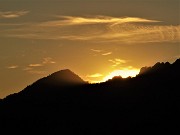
(62, 103)
(60, 78)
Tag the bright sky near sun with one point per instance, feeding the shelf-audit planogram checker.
(96, 39)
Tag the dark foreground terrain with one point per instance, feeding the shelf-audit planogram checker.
(63, 103)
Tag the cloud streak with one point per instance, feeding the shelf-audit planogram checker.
(108, 53)
(35, 65)
(13, 67)
(46, 61)
(13, 14)
(32, 68)
(71, 20)
(96, 50)
(117, 62)
(98, 29)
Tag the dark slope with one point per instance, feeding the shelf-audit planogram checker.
(62, 78)
(48, 87)
(146, 104)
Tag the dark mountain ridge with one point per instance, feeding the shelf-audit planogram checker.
(62, 78)
(63, 103)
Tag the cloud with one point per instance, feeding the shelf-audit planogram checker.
(32, 68)
(75, 20)
(48, 60)
(99, 51)
(94, 75)
(108, 53)
(96, 50)
(13, 67)
(120, 60)
(117, 62)
(13, 14)
(35, 65)
(127, 30)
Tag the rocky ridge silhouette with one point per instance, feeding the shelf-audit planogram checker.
(63, 103)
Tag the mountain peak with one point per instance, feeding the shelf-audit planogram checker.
(59, 79)
(177, 61)
(159, 66)
(65, 76)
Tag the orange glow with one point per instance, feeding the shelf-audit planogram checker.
(124, 73)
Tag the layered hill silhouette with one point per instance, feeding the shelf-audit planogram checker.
(62, 103)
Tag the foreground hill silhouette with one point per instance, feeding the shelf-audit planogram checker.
(62, 103)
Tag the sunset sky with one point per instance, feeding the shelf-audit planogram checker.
(93, 38)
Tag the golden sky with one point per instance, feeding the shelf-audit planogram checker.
(96, 39)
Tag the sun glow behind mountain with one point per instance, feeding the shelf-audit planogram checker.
(124, 73)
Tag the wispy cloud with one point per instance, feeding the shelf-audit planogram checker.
(75, 20)
(108, 53)
(12, 14)
(13, 67)
(35, 65)
(120, 60)
(117, 62)
(96, 50)
(111, 29)
(97, 75)
(48, 60)
(101, 52)
(32, 68)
